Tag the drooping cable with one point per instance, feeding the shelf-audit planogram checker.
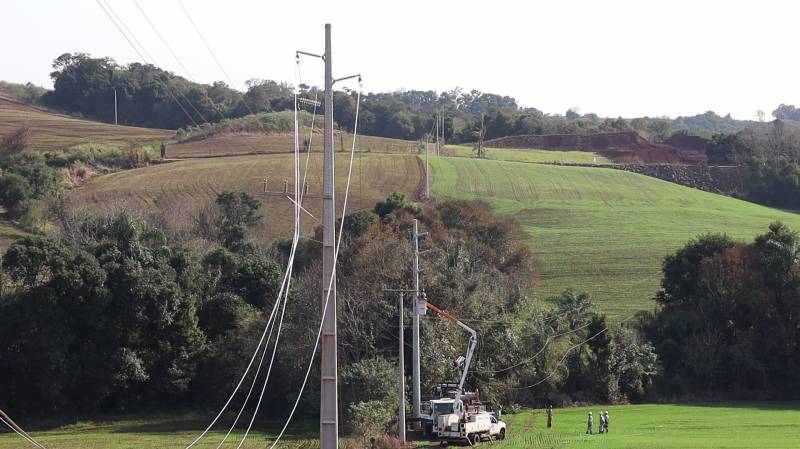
(566, 353)
(295, 239)
(19, 431)
(533, 357)
(279, 303)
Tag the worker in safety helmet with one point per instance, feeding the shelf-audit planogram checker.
(549, 416)
(605, 420)
(589, 424)
(602, 426)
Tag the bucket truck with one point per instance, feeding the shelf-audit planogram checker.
(451, 418)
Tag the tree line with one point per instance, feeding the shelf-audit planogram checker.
(152, 97)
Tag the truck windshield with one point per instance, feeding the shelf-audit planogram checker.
(444, 409)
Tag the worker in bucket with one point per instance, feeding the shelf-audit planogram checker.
(549, 416)
(605, 420)
(589, 424)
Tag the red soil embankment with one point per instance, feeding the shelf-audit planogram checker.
(622, 147)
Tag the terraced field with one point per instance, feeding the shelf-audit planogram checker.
(52, 131)
(179, 189)
(526, 155)
(244, 143)
(600, 230)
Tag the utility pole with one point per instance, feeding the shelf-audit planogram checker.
(416, 397)
(437, 133)
(427, 169)
(115, 106)
(401, 411)
(329, 413)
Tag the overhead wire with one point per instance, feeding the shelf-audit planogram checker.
(566, 353)
(281, 301)
(164, 41)
(19, 431)
(145, 60)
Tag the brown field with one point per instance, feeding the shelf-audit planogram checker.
(52, 131)
(178, 190)
(259, 143)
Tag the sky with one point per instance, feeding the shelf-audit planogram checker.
(612, 58)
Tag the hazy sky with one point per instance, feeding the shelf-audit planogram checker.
(628, 58)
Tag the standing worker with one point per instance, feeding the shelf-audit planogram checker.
(589, 424)
(549, 416)
(605, 420)
(602, 427)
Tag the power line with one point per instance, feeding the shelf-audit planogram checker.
(5, 419)
(173, 55)
(566, 353)
(189, 116)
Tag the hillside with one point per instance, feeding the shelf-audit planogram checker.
(52, 131)
(178, 190)
(600, 230)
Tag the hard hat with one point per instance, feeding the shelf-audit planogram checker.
(590, 413)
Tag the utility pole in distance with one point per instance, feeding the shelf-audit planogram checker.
(329, 413)
(115, 106)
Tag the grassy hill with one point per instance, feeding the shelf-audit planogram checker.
(281, 142)
(600, 230)
(52, 131)
(180, 189)
(527, 155)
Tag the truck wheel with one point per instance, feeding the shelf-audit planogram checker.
(474, 439)
(502, 434)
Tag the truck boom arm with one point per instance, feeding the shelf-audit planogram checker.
(473, 340)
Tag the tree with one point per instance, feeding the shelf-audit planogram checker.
(14, 190)
(238, 213)
(15, 142)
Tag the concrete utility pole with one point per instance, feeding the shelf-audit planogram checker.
(115, 106)
(401, 411)
(427, 169)
(329, 413)
(437, 133)
(416, 397)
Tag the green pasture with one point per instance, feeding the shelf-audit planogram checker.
(527, 155)
(765, 425)
(600, 230)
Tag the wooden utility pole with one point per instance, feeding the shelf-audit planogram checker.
(329, 413)
(115, 106)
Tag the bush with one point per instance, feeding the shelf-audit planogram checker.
(14, 189)
(371, 418)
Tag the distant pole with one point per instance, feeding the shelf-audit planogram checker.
(115, 106)
(427, 169)
(437, 133)
(329, 413)
(401, 413)
(416, 398)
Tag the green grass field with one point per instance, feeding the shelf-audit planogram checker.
(600, 230)
(158, 432)
(526, 155)
(699, 426)
(767, 425)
